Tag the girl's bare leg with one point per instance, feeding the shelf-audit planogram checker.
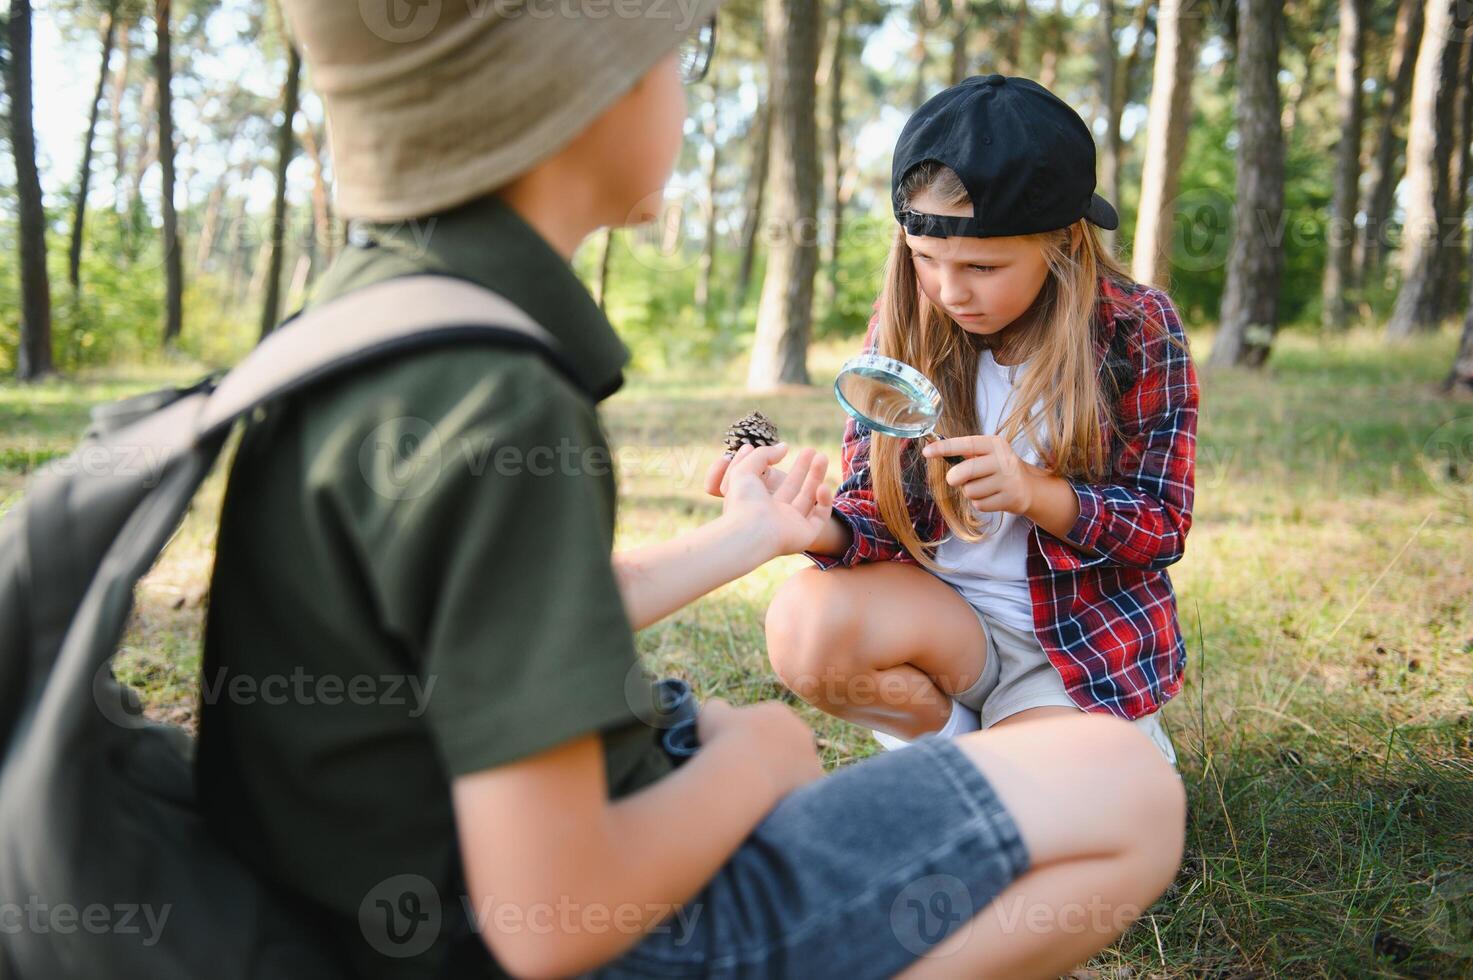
(880, 644)
(1103, 817)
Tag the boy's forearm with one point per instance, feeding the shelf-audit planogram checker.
(665, 842)
(658, 579)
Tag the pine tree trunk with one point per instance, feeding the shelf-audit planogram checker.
(1461, 127)
(285, 150)
(211, 223)
(1178, 30)
(961, 32)
(1349, 72)
(835, 171)
(1115, 77)
(1048, 71)
(1250, 302)
(173, 260)
(148, 148)
(84, 178)
(1381, 185)
(322, 221)
(33, 359)
(780, 349)
(706, 270)
(1461, 376)
(760, 137)
(115, 113)
(923, 16)
(1427, 155)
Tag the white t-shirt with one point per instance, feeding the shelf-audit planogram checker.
(992, 574)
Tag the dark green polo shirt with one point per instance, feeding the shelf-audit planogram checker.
(413, 582)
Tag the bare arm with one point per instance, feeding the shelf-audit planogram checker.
(766, 513)
(562, 880)
(658, 579)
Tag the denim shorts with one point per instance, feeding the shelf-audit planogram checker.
(854, 875)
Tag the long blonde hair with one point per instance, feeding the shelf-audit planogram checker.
(1062, 373)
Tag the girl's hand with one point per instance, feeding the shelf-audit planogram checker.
(789, 512)
(991, 475)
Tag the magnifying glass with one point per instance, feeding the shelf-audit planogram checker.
(890, 397)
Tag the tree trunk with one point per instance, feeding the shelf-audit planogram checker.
(1461, 376)
(1460, 99)
(1011, 62)
(1048, 71)
(835, 171)
(1250, 302)
(1115, 79)
(1427, 154)
(173, 260)
(924, 17)
(115, 113)
(761, 141)
(780, 349)
(1381, 185)
(322, 221)
(1349, 72)
(706, 269)
(285, 150)
(33, 359)
(1178, 30)
(148, 149)
(84, 178)
(961, 31)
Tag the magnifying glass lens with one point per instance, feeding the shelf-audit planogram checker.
(888, 403)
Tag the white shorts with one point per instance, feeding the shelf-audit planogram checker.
(1018, 676)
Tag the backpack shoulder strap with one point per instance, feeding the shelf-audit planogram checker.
(364, 325)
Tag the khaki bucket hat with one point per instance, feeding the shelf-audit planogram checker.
(432, 103)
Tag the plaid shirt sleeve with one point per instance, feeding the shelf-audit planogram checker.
(1141, 520)
(855, 503)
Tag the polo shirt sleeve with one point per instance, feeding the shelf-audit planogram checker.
(488, 528)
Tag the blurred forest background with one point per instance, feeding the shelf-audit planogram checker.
(1298, 166)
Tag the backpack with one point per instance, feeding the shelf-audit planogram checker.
(106, 865)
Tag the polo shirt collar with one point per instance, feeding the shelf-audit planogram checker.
(488, 243)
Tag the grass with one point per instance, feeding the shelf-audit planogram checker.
(1326, 727)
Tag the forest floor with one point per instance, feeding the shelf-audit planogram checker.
(1325, 730)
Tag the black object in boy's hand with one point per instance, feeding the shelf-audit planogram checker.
(676, 709)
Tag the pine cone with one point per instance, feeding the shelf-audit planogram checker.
(752, 430)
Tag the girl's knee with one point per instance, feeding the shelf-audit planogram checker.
(807, 622)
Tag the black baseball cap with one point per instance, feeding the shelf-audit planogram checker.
(1024, 155)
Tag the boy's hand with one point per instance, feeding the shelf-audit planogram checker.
(789, 512)
(991, 475)
(772, 731)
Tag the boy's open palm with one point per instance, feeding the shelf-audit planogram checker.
(790, 508)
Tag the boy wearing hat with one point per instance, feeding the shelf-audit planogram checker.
(460, 779)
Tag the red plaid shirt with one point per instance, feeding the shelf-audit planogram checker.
(1107, 620)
